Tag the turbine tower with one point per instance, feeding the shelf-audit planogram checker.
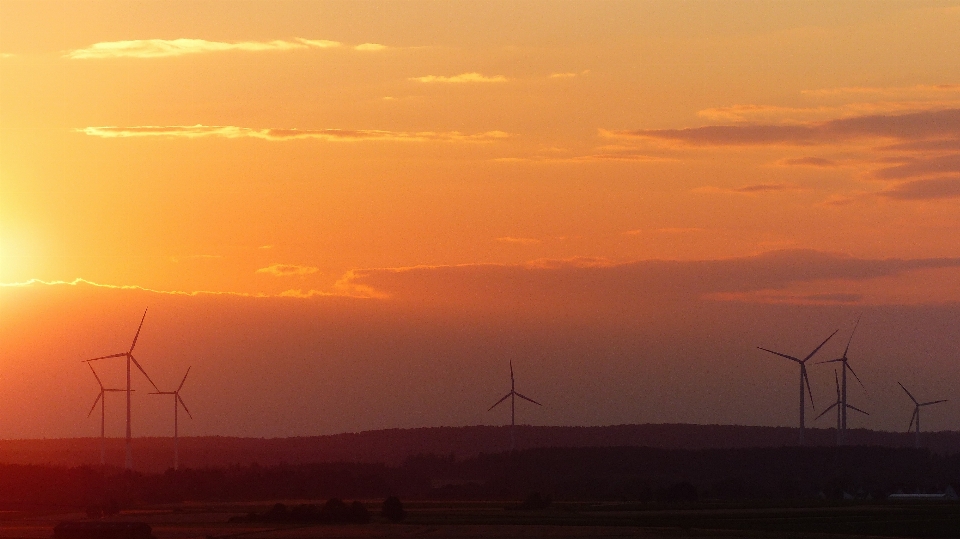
(804, 380)
(128, 464)
(177, 403)
(843, 382)
(101, 398)
(513, 407)
(916, 413)
(839, 404)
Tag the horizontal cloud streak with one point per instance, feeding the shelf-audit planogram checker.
(460, 79)
(163, 48)
(286, 270)
(925, 189)
(330, 135)
(913, 126)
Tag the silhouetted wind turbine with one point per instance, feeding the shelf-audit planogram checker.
(804, 380)
(512, 396)
(101, 398)
(177, 403)
(843, 385)
(916, 413)
(128, 464)
(839, 404)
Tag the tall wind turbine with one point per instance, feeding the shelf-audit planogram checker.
(177, 403)
(128, 464)
(513, 416)
(839, 404)
(916, 413)
(101, 398)
(804, 380)
(842, 433)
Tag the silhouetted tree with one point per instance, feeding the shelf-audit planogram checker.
(393, 509)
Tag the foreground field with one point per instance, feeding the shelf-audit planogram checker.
(490, 519)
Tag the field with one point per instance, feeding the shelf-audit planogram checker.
(491, 519)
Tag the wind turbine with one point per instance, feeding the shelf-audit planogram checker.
(839, 404)
(804, 380)
(128, 464)
(513, 416)
(101, 398)
(843, 385)
(916, 412)
(177, 403)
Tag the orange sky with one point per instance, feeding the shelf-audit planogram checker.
(528, 159)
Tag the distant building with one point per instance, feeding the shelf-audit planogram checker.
(948, 494)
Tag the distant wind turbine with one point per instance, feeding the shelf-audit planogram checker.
(128, 464)
(842, 433)
(101, 398)
(839, 404)
(177, 403)
(513, 417)
(916, 413)
(804, 380)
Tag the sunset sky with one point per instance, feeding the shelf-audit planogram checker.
(352, 215)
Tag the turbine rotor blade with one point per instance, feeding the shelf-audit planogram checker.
(851, 336)
(184, 406)
(529, 399)
(779, 354)
(137, 363)
(94, 407)
(836, 381)
(827, 361)
(915, 412)
(121, 354)
(815, 350)
(847, 365)
(932, 402)
(505, 397)
(908, 393)
(137, 336)
(857, 409)
(832, 406)
(184, 380)
(95, 376)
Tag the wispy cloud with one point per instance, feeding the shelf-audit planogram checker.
(885, 90)
(460, 79)
(78, 281)
(522, 241)
(924, 189)
(913, 126)
(163, 48)
(330, 135)
(370, 47)
(818, 162)
(752, 189)
(287, 270)
(569, 75)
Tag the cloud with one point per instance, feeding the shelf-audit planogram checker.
(164, 48)
(286, 270)
(884, 91)
(752, 189)
(459, 79)
(370, 47)
(79, 282)
(818, 162)
(329, 135)
(611, 286)
(935, 124)
(523, 241)
(569, 75)
(924, 189)
(925, 166)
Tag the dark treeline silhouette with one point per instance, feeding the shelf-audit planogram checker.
(394, 446)
(626, 474)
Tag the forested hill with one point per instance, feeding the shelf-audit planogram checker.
(393, 446)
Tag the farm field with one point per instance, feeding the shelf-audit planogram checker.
(490, 519)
